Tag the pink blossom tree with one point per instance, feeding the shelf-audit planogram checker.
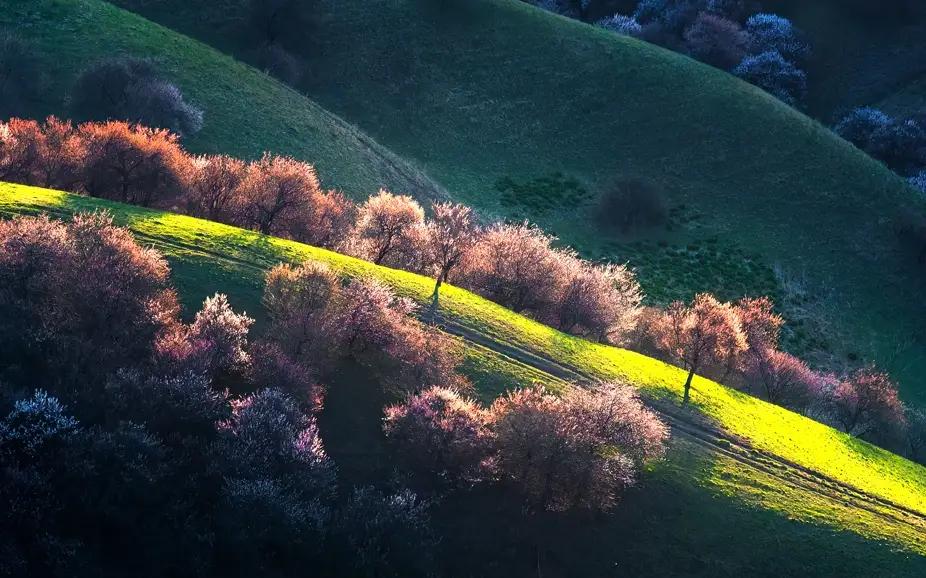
(704, 332)
(440, 432)
(389, 228)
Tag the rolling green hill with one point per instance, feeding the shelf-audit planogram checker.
(748, 488)
(246, 111)
(478, 91)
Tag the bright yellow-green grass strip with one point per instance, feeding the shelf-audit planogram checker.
(768, 427)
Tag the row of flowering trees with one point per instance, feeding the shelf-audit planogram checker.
(516, 265)
(576, 451)
(738, 344)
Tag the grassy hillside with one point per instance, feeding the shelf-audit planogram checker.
(777, 485)
(246, 112)
(478, 91)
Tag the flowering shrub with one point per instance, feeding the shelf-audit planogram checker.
(775, 75)
(440, 432)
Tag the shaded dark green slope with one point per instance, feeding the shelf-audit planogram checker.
(863, 53)
(478, 90)
(246, 112)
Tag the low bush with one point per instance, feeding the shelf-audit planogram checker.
(580, 451)
(439, 432)
(716, 41)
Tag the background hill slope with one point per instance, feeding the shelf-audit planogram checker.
(790, 492)
(246, 111)
(478, 91)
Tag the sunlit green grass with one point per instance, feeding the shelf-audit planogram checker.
(208, 257)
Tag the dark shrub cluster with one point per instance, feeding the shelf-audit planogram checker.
(631, 204)
(133, 90)
(898, 143)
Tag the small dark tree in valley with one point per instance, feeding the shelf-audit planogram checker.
(631, 204)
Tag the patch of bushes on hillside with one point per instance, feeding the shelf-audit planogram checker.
(733, 35)
(115, 411)
(668, 272)
(540, 195)
(898, 143)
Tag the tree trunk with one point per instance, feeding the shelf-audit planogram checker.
(688, 386)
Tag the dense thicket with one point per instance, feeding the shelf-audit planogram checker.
(116, 411)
